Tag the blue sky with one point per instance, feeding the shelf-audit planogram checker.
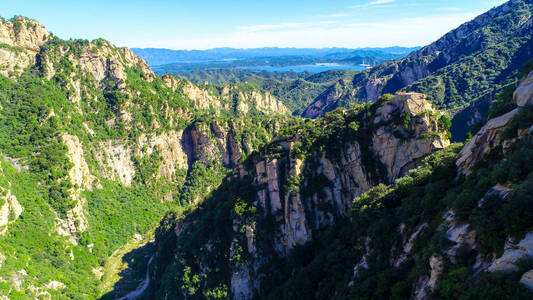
(203, 24)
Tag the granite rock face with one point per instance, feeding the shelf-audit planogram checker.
(296, 210)
(20, 40)
(491, 134)
(227, 98)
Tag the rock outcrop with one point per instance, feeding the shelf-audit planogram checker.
(527, 280)
(484, 141)
(227, 98)
(513, 254)
(169, 146)
(491, 134)
(285, 198)
(10, 211)
(389, 141)
(295, 192)
(426, 285)
(523, 96)
(80, 175)
(20, 41)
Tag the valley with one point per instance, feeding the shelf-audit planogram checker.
(189, 174)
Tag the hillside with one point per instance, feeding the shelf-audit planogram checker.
(476, 60)
(96, 149)
(364, 203)
(294, 90)
(220, 77)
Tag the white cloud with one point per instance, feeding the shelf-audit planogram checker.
(336, 15)
(403, 32)
(380, 3)
(448, 9)
(271, 26)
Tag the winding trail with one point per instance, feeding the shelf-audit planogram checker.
(142, 286)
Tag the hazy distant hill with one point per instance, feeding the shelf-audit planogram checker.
(155, 56)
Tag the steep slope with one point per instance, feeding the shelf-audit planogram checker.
(477, 59)
(96, 149)
(281, 198)
(305, 221)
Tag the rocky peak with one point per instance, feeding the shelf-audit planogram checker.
(20, 41)
(22, 32)
(401, 146)
(422, 70)
(404, 103)
(444, 46)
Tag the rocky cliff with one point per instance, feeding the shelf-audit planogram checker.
(300, 185)
(107, 86)
(370, 202)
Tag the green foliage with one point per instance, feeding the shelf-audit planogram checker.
(201, 181)
(528, 67)
(445, 123)
(354, 126)
(16, 49)
(292, 186)
(459, 284)
(147, 167)
(421, 197)
(490, 69)
(383, 99)
(219, 292)
(503, 104)
(523, 120)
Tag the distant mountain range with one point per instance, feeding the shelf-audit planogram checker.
(156, 57)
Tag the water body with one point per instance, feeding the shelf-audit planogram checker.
(316, 68)
(307, 68)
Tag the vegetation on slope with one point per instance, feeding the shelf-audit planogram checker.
(59, 96)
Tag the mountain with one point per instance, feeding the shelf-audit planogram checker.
(118, 183)
(96, 149)
(295, 90)
(225, 76)
(156, 57)
(370, 202)
(461, 73)
(474, 61)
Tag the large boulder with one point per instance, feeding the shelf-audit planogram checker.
(489, 137)
(523, 96)
(513, 254)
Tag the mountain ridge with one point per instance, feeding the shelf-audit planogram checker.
(419, 71)
(161, 56)
(365, 202)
